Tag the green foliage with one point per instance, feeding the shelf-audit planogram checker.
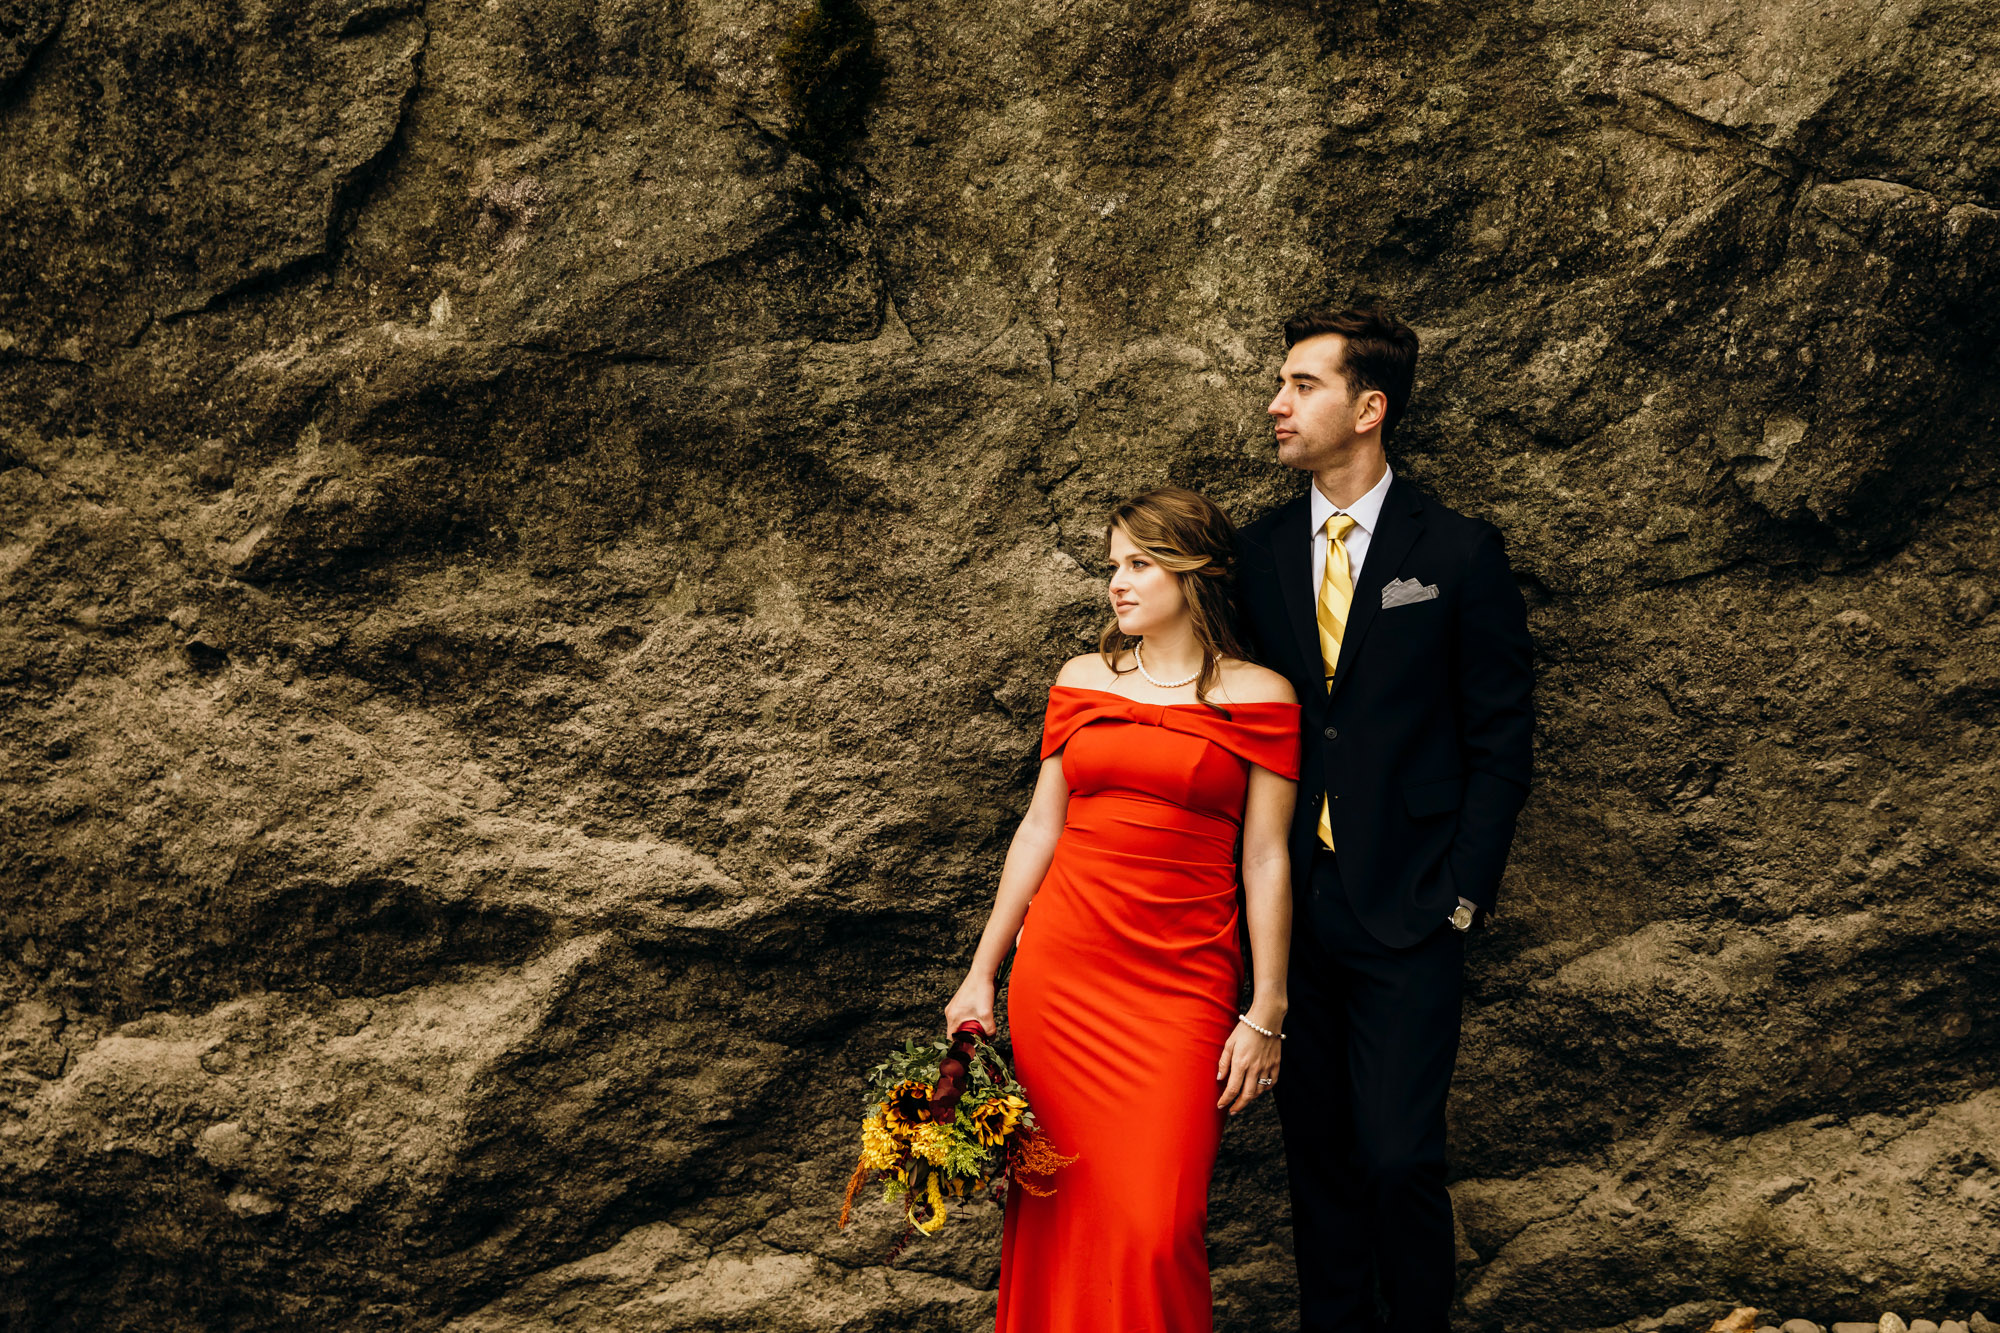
(912, 1062)
(830, 73)
(991, 1075)
(967, 1156)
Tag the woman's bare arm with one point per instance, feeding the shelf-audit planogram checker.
(1267, 895)
(1028, 858)
(1248, 1056)
(1267, 890)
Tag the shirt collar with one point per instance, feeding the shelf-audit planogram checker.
(1366, 512)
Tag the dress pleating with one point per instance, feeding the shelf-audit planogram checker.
(1124, 988)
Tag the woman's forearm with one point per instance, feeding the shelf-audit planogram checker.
(1267, 896)
(1028, 858)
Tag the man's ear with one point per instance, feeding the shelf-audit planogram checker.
(1374, 410)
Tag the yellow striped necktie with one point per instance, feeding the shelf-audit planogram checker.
(1336, 595)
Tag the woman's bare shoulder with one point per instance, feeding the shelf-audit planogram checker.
(1249, 683)
(1086, 671)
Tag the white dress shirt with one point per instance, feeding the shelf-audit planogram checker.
(1366, 513)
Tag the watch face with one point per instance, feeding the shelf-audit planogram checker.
(1462, 917)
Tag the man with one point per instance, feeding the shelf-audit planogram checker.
(1400, 627)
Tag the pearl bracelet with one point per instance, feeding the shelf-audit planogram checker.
(1245, 1018)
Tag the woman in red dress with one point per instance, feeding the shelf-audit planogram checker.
(1168, 772)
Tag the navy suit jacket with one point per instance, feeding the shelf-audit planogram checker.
(1424, 744)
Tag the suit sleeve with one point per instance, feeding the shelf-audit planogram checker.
(1493, 675)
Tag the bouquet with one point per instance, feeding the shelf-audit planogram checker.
(946, 1120)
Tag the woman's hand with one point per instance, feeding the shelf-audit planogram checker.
(972, 1004)
(1247, 1057)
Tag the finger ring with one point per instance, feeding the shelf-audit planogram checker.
(1267, 1082)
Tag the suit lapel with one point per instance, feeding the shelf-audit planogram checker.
(1402, 522)
(1291, 552)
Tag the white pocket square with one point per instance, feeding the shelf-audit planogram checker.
(1402, 592)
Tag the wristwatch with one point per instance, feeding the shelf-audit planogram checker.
(1463, 915)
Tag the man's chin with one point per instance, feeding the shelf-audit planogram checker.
(1293, 454)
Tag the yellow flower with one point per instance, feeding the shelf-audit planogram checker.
(932, 1143)
(909, 1105)
(995, 1119)
(935, 1198)
(879, 1149)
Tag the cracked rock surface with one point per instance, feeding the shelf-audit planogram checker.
(528, 583)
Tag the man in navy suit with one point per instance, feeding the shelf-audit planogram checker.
(1401, 628)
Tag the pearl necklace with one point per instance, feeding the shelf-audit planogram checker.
(1140, 662)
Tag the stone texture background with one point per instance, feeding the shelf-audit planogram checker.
(530, 569)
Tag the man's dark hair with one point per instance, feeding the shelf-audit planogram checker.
(1380, 353)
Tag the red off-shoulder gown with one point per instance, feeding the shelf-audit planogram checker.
(1124, 989)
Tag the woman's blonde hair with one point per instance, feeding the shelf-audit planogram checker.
(1189, 536)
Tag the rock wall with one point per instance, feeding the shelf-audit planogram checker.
(534, 534)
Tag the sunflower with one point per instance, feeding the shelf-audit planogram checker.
(879, 1149)
(909, 1105)
(995, 1119)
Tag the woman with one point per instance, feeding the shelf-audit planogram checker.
(1162, 754)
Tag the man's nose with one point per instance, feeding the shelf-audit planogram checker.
(1278, 407)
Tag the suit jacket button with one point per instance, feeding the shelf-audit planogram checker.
(1333, 733)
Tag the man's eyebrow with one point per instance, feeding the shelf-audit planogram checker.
(1300, 375)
